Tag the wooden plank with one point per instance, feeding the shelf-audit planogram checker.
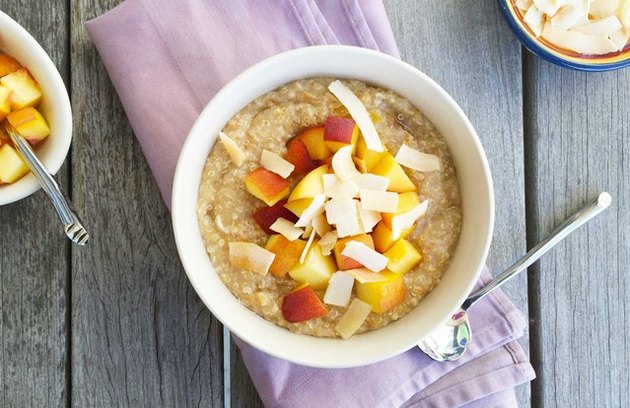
(141, 336)
(34, 258)
(468, 49)
(578, 142)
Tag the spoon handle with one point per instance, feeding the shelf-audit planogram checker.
(562, 231)
(67, 214)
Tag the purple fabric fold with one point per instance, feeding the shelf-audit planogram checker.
(167, 59)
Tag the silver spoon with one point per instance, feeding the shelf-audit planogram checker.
(71, 223)
(449, 341)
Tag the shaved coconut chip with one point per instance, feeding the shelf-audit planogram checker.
(523, 4)
(307, 247)
(339, 289)
(339, 208)
(236, 154)
(348, 226)
(359, 113)
(620, 38)
(578, 42)
(287, 229)
(369, 181)
(343, 165)
(329, 181)
(308, 230)
(315, 208)
(406, 220)
(604, 26)
(219, 223)
(416, 160)
(343, 189)
(368, 219)
(365, 255)
(569, 16)
(320, 225)
(549, 7)
(276, 164)
(327, 242)
(603, 8)
(364, 275)
(582, 5)
(251, 257)
(354, 317)
(534, 18)
(624, 14)
(381, 201)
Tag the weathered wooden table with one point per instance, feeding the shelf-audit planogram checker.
(118, 324)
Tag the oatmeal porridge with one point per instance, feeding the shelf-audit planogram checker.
(330, 207)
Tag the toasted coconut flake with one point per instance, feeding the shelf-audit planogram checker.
(339, 289)
(287, 229)
(620, 37)
(307, 247)
(365, 255)
(343, 188)
(251, 257)
(339, 208)
(348, 226)
(276, 164)
(568, 16)
(381, 201)
(406, 220)
(604, 27)
(343, 165)
(354, 317)
(535, 19)
(327, 242)
(320, 225)
(364, 275)
(236, 154)
(368, 219)
(315, 208)
(523, 4)
(578, 42)
(369, 181)
(359, 113)
(624, 14)
(603, 8)
(416, 160)
(308, 230)
(329, 181)
(549, 7)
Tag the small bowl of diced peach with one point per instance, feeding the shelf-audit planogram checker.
(34, 100)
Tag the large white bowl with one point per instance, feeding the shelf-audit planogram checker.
(55, 105)
(474, 179)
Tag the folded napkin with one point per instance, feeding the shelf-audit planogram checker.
(167, 59)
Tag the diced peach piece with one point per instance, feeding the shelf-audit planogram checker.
(313, 138)
(360, 163)
(384, 238)
(30, 124)
(398, 179)
(302, 304)
(403, 257)
(5, 102)
(297, 207)
(383, 295)
(4, 138)
(344, 262)
(25, 91)
(406, 202)
(266, 216)
(340, 132)
(316, 269)
(267, 186)
(311, 185)
(12, 166)
(287, 254)
(297, 154)
(370, 157)
(8, 64)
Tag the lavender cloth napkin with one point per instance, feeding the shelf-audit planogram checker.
(167, 59)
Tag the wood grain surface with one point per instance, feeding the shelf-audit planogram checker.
(118, 324)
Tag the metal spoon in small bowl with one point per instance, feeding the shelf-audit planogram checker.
(449, 341)
(71, 223)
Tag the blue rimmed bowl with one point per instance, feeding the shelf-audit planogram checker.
(567, 59)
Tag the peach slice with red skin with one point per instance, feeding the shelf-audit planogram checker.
(302, 304)
(30, 124)
(267, 186)
(287, 254)
(340, 132)
(25, 91)
(266, 216)
(297, 154)
(343, 262)
(313, 138)
(8, 64)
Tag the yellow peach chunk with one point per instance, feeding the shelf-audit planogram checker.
(12, 166)
(406, 202)
(287, 254)
(369, 157)
(5, 103)
(313, 138)
(384, 238)
(398, 179)
(403, 257)
(316, 269)
(25, 91)
(383, 295)
(30, 124)
(311, 185)
(266, 186)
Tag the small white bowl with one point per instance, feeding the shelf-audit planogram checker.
(55, 105)
(473, 174)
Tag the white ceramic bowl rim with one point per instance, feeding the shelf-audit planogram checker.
(475, 185)
(55, 105)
